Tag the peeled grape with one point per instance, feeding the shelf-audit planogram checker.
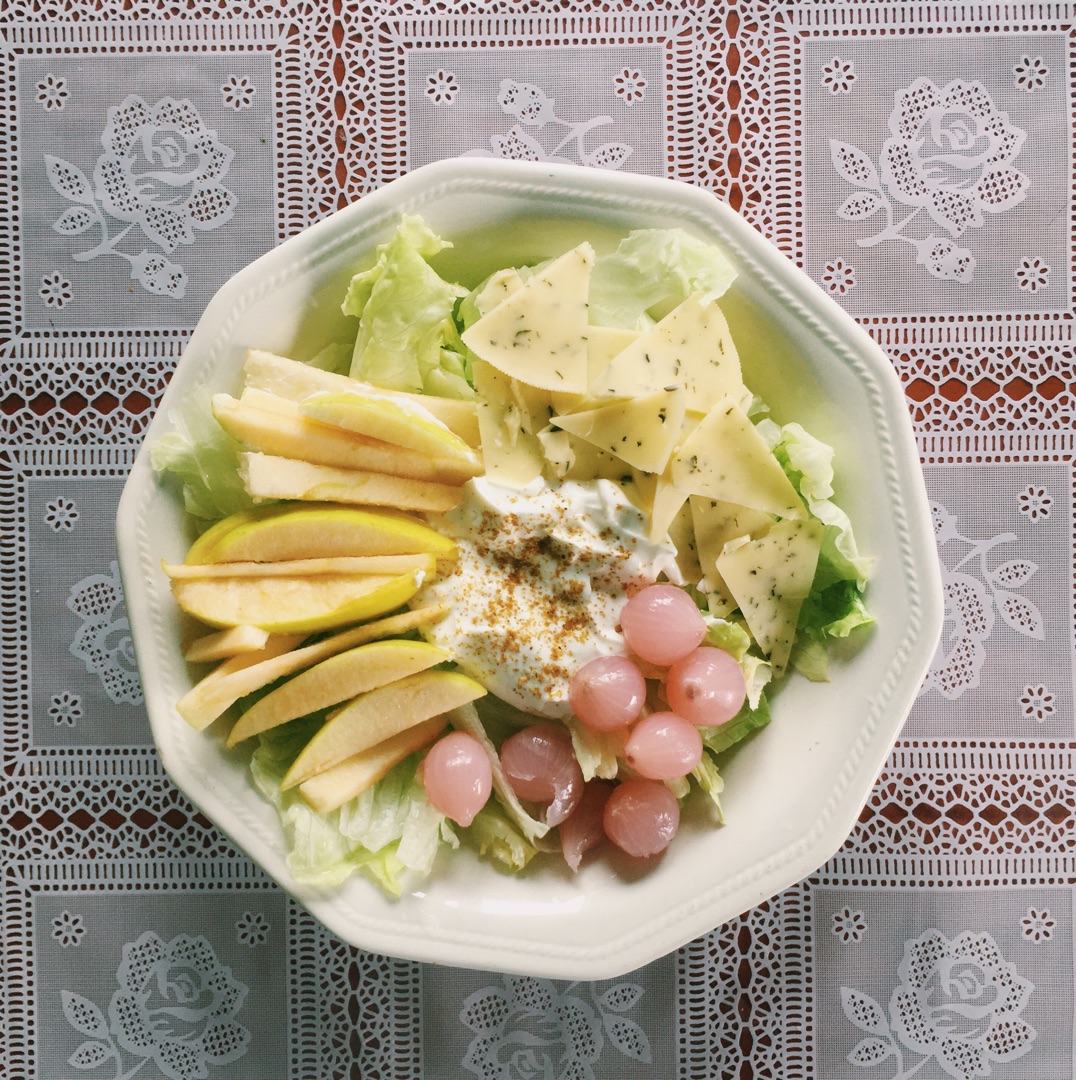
(641, 817)
(661, 624)
(583, 829)
(663, 746)
(540, 764)
(607, 693)
(706, 687)
(457, 776)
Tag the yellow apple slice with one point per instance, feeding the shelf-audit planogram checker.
(296, 381)
(294, 605)
(268, 477)
(280, 533)
(331, 789)
(225, 643)
(275, 425)
(337, 679)
(379, 715)
(392, 420)
(218, 691)
(339, 566)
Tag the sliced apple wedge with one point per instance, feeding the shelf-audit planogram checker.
(331, 789)
(303, 530)
(192, 706)
(269, 477)
(339, 566)
(295, 380)
(275, 425)
(218, 691)
(225, 643)
(379, 715)
(289, 605)
(337, 679)
(392, 420)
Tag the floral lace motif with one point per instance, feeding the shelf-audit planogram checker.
(949, 155)
(957, 1001)
(162, 171)
(534, 110)
(103, 642)
(175, 1006)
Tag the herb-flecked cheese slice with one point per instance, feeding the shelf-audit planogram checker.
(538, 333)
(769, 578)
(641, 432)
(691, 347)
(726, 458)
(717, 522)
(509, 419)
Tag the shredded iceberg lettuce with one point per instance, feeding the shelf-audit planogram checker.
(407, 337)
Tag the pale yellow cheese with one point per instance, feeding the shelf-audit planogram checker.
(691, 347)
(726, 458)
(603, 343)
(538, 333)
(641, 432)
(770, 578)
(717, 522)
(511, 450)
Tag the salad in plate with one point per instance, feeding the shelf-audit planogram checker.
(512, 568)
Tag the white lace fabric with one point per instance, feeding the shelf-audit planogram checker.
(915, 159)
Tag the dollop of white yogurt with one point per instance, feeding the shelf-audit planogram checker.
(541, 577)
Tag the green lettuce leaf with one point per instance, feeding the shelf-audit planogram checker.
(204, 460)
(748, 719)
(651, 271)
(496, 838)
(407, 337)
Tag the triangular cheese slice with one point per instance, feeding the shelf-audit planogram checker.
(770, 578)
(691, 347)
(511, 451)
(538, 333)
(717, 522)
(726, 458)
(641, 432)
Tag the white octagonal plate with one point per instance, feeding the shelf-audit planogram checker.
(793, 792)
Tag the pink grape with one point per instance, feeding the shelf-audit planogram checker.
(661, 624)
(641, 817)
(607, 693)
(663, 746)
(583, 829)
(457, 776)
(706, 687)
(540, 764)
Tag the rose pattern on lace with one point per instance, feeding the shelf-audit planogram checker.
(535, 111)
(161, 172)
(1038, 925)
(1032, 275)
(630, 86)
(1030, 74)
(442, 86)
(52, 93)
(849, 925)
(838, 277)
(239, 93)
(949, 155)
(175, 1006)
(1035, 503)
(1037, 703)
(55, 290)
(61, 514)
(957, 1002)
(103, 641)
(65, 708)
(68, 929)
(526, 1029)
(838, 76)
(252, 929)
(972, 604)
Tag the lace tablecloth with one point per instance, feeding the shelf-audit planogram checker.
(914, 158)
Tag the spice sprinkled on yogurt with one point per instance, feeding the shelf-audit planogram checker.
(540, 580)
